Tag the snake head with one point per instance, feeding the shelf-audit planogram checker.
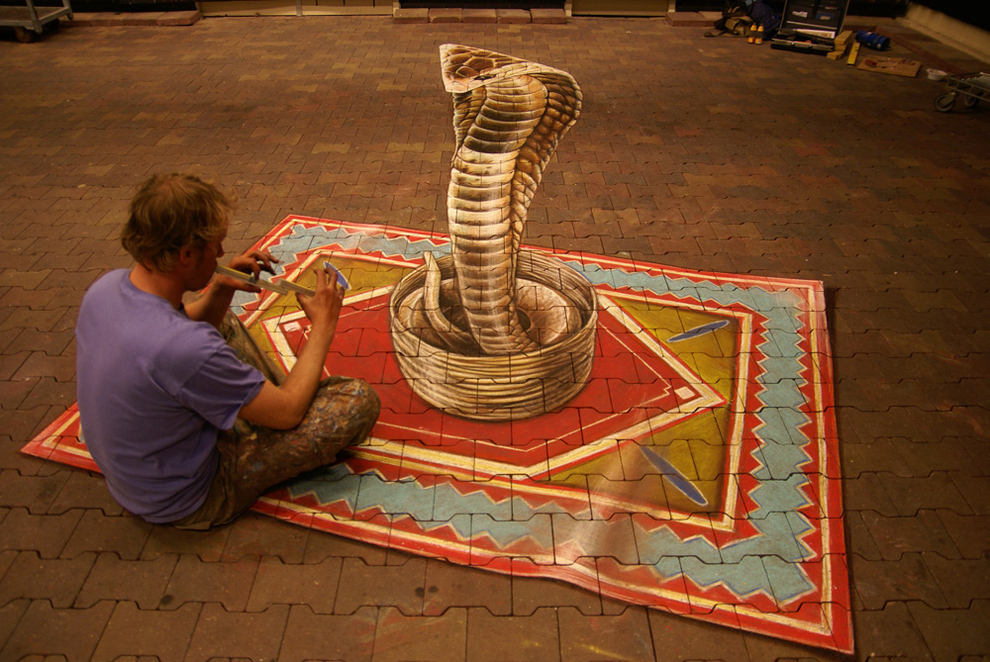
(466, 68)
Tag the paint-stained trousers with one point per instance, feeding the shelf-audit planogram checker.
(254, 459)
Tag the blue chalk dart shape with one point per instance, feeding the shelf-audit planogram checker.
(698, 331)
(675, 477)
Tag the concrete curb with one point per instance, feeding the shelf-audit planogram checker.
(82, 19)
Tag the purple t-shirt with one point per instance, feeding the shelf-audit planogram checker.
(154, 390)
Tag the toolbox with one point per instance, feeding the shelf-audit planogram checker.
(810, 26)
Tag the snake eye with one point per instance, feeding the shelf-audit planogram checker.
(485, 77)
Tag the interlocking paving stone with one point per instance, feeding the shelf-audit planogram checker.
(624, 636)
(908, 578)
(866, 493)
(280, 583)
(941, 629)
(971, 535)
(948, 454)
(10, 616)
(35, 493)
(975, 490)
(879, 455)
(936, 490)
(764, 648)
(52, 343)
(451, 585)
(310, 636)
(133, 632)
(442, 638)
(123, 580)
(896, 536)
(207, 546)
(44, 534)
(70, 634)
(16, 423)
(959, 580)
(50, 391)
(401, 586)
(124, 535)
(55, 580)
(194, 580)
(253, 536)
(530, 594)
(891, 629)
(85, 490)
(677, 638)
(525, 638)
(220, 633)
(319, 548)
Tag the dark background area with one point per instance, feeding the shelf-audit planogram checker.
(485, 4)
(886, 8)
(973, 12)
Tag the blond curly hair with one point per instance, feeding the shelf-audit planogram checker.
(171, 212)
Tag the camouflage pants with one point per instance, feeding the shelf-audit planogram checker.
(254, 459)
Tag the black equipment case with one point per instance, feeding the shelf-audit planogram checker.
(810, 26)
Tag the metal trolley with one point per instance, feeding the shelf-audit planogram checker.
(973, 88)
(30, 21)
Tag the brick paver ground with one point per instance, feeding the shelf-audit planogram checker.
(703, 153)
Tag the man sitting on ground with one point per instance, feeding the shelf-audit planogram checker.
(188, 420)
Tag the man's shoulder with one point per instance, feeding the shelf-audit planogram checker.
(120, 312)
(106, 284)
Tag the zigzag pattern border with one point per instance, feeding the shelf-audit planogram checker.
(792, 534)
(780, 489)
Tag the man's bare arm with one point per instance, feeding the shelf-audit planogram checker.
(283, 407)
(213, 304)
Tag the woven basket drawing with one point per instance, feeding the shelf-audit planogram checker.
(499, 388)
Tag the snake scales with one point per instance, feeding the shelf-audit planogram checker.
(491, 305)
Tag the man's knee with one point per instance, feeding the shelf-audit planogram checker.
(344, 408)
(355, 394)
(368, 397)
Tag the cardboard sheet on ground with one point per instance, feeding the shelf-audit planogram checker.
(890, 65)
(696, 473)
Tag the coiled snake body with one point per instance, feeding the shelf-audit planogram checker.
(489, 298)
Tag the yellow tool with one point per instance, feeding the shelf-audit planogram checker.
(853, 54)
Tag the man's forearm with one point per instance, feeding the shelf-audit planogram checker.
(212, 305)
(308, 369)
(284, 407)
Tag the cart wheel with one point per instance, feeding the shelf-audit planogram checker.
(944, 103)
(23, 35)
(971, 102)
